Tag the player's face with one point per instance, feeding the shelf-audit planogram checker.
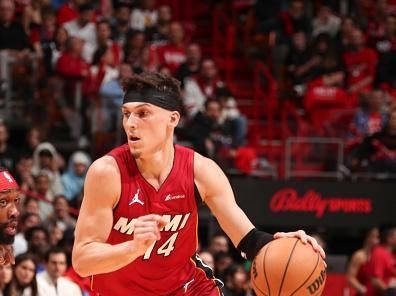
(148, 128)
(9, 212)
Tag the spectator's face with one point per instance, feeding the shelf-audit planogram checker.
(208, 69)
(42, 184)
(9, 213)
(125, 71)
(138, 41)
(25, 271)
(392, 121)
(357, 39)
(299, 41)
(3, 133)
(193, 54)
(382, 7)
(85, 17)
(373, 238)
(148, 4)
(61, 36)
(219, 244)
(390, 25)
(239, 280)
(103, 32)
(122, 15)
(56, 265)
(80, 168)
(33, 137)
(24, 166)
(77, 46)
(324, 13)
(32, 207)
(6, 10)
(376, 100)
(61, 207)
(176, 33)
(223, 263)
(5, 274)
(39, 240)
(296, 9)
(108, 57)
(164, 14)
(213, 111)
(45, 161)
(207, 258)
(347, 26)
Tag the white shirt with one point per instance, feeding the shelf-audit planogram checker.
(64, 286)
(20, 244)
(142, 19)
(194, 99)
(86, 33)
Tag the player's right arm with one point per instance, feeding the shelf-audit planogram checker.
(91, 254)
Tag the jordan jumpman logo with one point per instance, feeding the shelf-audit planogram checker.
(136, 199)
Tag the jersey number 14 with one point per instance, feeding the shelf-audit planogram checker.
(166, 248)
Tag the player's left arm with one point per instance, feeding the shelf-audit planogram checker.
(217, 193)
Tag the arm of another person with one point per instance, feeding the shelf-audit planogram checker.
(91, 254)
(352, 272)
(378, 266)
(216, 192)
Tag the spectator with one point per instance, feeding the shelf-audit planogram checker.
(325, 22)
(200, 88)
(207, 258)
(56, 232)
(54, 50)
(379, 150)
(32, 140)
(26, 221)
(382, 264)
(103, 34)
(145, 17)
(68, 11)
(41, 35)
(38, 244)
(236, 281)
(73, 177)
(120, 28)
(12, 33)
(192, 64)
(376, 23)
(5, 277)
(361, 63)
(24, 280)
(23, 172)
(84, 28)
(358, 267)
(218, 243)
(171, 54)
(7, 152)
(43, 190)
(134, 51)
(343, 38)
(222, 261)
(51, 281)
(31, 205)
(61, 216)
(160, 32)
(46, 157)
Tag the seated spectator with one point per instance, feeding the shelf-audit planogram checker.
(236, 281)
(120, 28)
(24, 280)
(218, 243)
(144, 17)
(41, 35)
(343, 38)
(160, 32)
(51, 282)
(134, 51)
(375, 28)
(171, 54)
(68, 11)
(61, 215)
(7, 152)
(222, 260)
(325, 21)
(12, 33)
(54, 50)
(200, 88)
(192, 64)
(379, 150)
(43, 191)
(103, 35)
(360, 62)
(31, 205)
(23, 172)
(84, 28)
(38, 244)
(382, 270)
(358, 267)
(5, 277)
(26, 221)
(73, 178)
(46, 157)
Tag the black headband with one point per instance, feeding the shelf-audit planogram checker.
(167, 100)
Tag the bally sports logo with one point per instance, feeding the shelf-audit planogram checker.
(287, 200)
(174, 196)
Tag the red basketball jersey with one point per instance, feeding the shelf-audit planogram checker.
(166, 266)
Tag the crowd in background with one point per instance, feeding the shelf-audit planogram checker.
(81, 51)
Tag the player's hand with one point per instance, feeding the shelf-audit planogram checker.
(6, 254)
(305, 238)
(147, 231)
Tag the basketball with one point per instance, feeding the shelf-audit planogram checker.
(287, 267)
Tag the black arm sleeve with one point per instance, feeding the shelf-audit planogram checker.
(253, 241)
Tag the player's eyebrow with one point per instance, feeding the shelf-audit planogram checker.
(135, 107)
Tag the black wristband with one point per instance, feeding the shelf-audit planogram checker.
(253, 241)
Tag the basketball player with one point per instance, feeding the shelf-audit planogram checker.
(9, 201)
(137, 229)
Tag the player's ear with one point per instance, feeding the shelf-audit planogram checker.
(174, 118)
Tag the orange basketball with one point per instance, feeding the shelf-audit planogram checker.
(287, 267)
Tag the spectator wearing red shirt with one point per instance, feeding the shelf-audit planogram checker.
(383, 265)
(171, 54)
(376, 24)
(360, 62)
(68, 11)
(103, 31)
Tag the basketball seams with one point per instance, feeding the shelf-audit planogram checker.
(287, 266)
(265, 272)
(254, 284)
(316, 265)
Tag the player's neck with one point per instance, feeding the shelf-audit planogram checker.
(157, 165)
